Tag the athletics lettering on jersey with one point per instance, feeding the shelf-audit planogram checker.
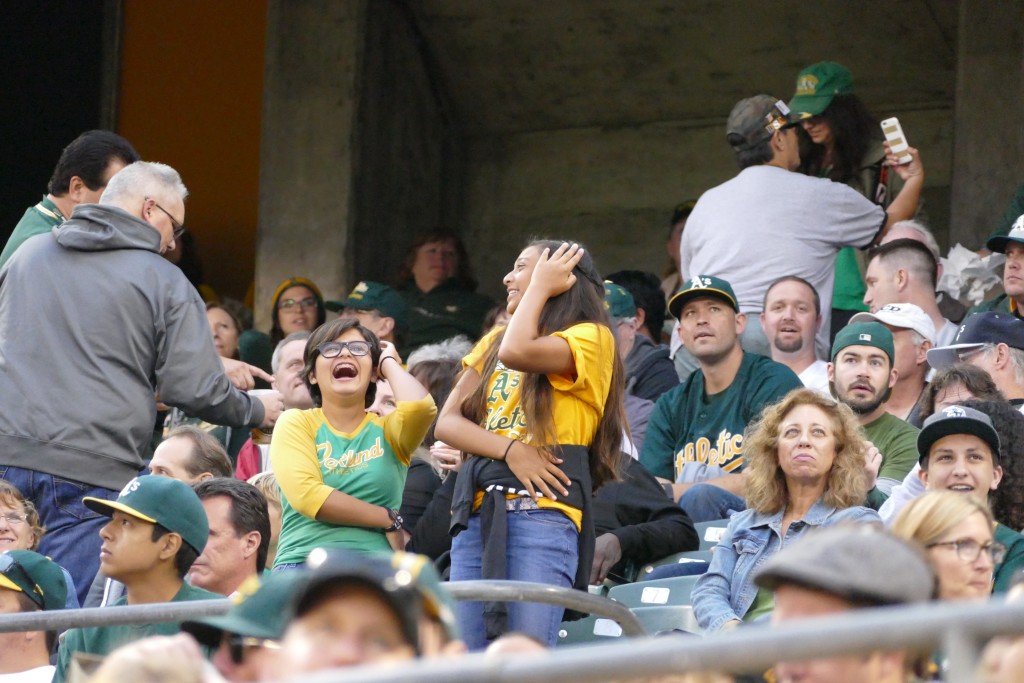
(504, 414)
(727, 452)
(349, 461)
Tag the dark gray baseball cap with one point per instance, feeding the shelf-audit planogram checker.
(861, 563)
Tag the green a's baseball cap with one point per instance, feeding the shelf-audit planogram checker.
(865, 334)
(38, 577)
(702, 285)
(160, 500)
(407, 581)
(817, 85)
(261, 611)
(618, 302)
(374, 296)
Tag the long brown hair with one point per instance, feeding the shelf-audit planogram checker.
(582, 303)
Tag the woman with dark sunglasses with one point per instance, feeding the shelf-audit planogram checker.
(342, 469)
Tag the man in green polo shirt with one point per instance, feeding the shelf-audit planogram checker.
(862, 376)
(82, 173)
(157, 529)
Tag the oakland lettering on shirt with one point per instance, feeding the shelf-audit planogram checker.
(727, 453)
(350, 460)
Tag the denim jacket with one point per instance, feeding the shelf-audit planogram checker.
(727, 590)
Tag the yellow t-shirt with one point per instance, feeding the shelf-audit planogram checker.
(577, 400)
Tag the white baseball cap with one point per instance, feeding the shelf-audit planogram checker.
(906, 316)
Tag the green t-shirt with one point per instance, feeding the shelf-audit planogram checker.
(442, 313)
(764, 603)
(693, 437)
(103, 640)
(311, 460)
(897, 442)
(849, 289)
(41, 218)
(1014, 560)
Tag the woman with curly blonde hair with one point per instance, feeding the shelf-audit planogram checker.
(805, 469)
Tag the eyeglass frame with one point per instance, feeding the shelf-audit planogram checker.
(963, 356)
(341, 346)
(179, 228)
(19, 518)
(35, 594)
(993, 549)
(236, 643)
(303, 304)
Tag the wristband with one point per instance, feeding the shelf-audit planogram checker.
(396, 519)
(511, 442)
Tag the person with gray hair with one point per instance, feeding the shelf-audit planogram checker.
(94, 324)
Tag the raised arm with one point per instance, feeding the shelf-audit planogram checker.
(523, 348)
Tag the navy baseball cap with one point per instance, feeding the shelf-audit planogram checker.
(957, 420)
(990, 327)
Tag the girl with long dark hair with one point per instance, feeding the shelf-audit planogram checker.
(538, 411)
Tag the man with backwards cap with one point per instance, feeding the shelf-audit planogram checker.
(913, 333)
(694, 441)
(862, 376)
(838, 569)
(156, 531)
(994, 342)
(29, 582)
(794, 223)
(959, 450)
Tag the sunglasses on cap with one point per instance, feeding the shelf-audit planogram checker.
(16, 574)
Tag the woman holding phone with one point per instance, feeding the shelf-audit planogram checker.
(538, 412)
(342, 469)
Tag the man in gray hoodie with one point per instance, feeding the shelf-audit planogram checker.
(94, 325)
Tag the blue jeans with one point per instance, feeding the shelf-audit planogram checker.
(72, 537)
(542, 548)
(708, 503)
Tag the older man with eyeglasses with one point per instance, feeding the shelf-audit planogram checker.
(93, 324)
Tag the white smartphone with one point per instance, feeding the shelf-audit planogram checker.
(897, 140)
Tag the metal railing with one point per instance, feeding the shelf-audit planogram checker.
(501, 591)
(959, 629)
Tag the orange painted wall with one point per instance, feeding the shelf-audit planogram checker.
(191, 96)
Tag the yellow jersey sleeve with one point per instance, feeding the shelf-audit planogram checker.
(592, 346)
(405, 428)
(293, 458)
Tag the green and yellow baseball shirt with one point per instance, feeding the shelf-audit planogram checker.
(312, 459)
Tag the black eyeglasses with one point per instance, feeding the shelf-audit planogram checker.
(333, 349)
(288, 304)
(968, 550)
(237, 645)
(179, 228)
(16, 574)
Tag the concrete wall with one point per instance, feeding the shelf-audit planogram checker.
(407, 152)
(307, 153)
(614, 188)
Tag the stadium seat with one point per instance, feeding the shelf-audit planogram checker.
(691, 556)
(675, 591)
(710, 532)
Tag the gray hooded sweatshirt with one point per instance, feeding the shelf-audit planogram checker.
(93, 324)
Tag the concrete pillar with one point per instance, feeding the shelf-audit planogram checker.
(307, 160)
(988, 150)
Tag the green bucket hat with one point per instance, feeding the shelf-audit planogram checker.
(261, 612)
(865, 334)
(618, 302)
(374, 296)
(702, 285)
(817, 85)
(38, 577)
(160, 500)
